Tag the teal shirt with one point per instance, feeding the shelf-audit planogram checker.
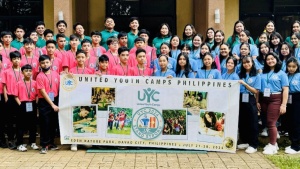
(158, 41)
(288, 40)
(237, 41)
(105, 35)
(187, 41)
(131, 37)
(17, 44)
(85, 37)
(41, 42)
(67, 46)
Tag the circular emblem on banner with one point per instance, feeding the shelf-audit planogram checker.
(228, 143)
(69, 83)
(147, 123)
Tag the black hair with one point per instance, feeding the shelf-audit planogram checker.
(187, 67)
(248, 45)
(213, 64)
(38, 23)
(272, 36)
(252, 72)
(80, 51)
(270, 21)
(281, 57)
(235, 34)
(193, 31)
(133, 19)
(96, 33)
(47, 31)
(139, 51)
(122, 34)
(163, 56)
(169, 32)
(0, 57)
(209, 50)
(185, 45)
(292, 59)
(14, 54)
(201, 37)
(167, 44)
(87, 108)
(139, 39)
(27, 66)
(278, 65)
(221, 57)
(108, 18)
(122, 49)
(76, 24)
(111, 39)
(31, 31)
(61, 21)
(60, 35)
(28, 41)
(296, 21)
(19, 27)
(260, 57)
(3, 33)
(103, 58)
(143, 31)
(206, 38)
(235, 62)
(215, 43)
(44, 57)
(72, 37)
(85, 41)
(174, 36)
(297, 34)
(50, 41)
(213, 119)
(248, 34)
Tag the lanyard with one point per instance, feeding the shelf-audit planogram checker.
(98, 51)
(88, 65)
(6, 52)
(181, 73)
(113, 57)
(227, 77)
(269, 77)
(297, 52)
(139, 71)
(163, 75)
(82, 70)
(125, 73)
(102, 73)
(207, 74)
(27, 60)
(17, 78)
(28, 90)
(176, 53)
(291, 81)
(50, 82)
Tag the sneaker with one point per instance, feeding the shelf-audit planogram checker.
(277, 148)
(288, 147)
(291, 151)
(53, 147)
(21, 148)
(250, 150)
(74, 147)
(34, 146)
(270, 150)
(242, 146)
(44, 150)
(12, 145)
(264, 132)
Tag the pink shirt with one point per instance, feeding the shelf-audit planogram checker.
(106, 73)
(60, 54)
(1, 79)
(44, 80)
(56, 65)
(149, 52)
(145, 72)
(97, 51)
(23, 90)
(85, 70)
(33, 61)
(122, 71)
(91, 62)
(11, 78)
(113, 60)
(6, 63)
(36, 52)
(69, 60)
(44, 50)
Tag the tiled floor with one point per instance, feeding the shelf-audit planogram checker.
(64, 158)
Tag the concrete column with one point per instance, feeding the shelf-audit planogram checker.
(204, 11)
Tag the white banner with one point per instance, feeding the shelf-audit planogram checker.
(149, 112)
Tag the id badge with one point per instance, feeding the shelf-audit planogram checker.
(267, 92)
(245, 97)
(290, 99)
(29, 107)
(51, 96)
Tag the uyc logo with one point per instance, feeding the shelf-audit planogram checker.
(149, 94)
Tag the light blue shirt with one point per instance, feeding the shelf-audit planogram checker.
(223, 66)
(231, 76)
(253, 50)
(283, 66)
(175, 53)
(182, 74)
(209, 74)
(165, 74)
(274, 81)
(253, 81)
(294, 82)
(216, 52)
(171, 64)
(297, 53)
(194, 65)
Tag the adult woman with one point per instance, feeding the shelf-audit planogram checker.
(163, 36)
(234, 38)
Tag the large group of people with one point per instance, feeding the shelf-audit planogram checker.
(267, 69)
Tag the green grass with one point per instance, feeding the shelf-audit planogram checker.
(284, 161)
(125, 131)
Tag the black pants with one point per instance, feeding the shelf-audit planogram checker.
(48, 120)
(293, 116)
(11, 109)
(248, 122)
(26, 121)
(2, 119)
